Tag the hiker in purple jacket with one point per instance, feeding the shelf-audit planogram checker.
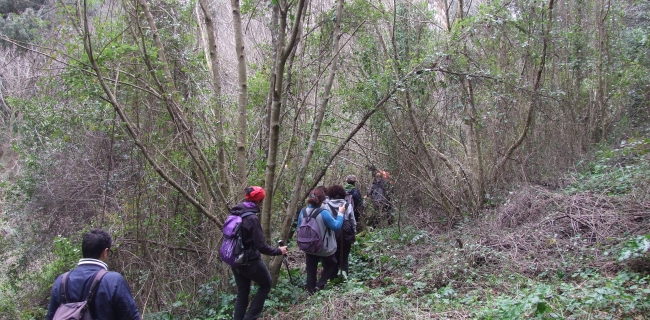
(254, 269)
(112, 299)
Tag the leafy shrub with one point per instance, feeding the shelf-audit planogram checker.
(22, 27)
(591, 296)
(21, 293)
(615, 171)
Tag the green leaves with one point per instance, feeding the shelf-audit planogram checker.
(635, 248)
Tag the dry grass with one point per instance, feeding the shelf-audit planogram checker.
(539, 227)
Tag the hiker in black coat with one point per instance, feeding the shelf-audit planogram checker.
(378, 193)
(254, 269)
(357, 199)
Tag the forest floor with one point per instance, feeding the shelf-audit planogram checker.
(578, 251)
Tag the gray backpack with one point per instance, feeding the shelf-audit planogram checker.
(77, 310)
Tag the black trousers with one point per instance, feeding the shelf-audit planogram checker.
(255, 271)
(342, 255)
(311, 266)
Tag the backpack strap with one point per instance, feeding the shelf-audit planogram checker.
(91, 291)
(93, 286)
(347, 204)
(333, 209)
(63, 292)
(316, 212)
(246, 214)
(240, 227)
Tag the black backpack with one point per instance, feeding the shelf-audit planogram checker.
(77, 310)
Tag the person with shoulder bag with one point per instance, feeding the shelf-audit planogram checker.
(252, 267)
(347, 235)
(316, 236)
(110, 297)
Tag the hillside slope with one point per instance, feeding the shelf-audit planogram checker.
(577, 252)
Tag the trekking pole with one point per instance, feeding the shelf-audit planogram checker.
(286, 264)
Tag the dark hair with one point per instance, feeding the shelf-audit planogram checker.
(316, 197)
(336, 192)
(94, 243)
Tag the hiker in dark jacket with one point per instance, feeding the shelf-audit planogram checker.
(357, 199)
(326, 221)
(112, 299)
(337, 194)
(378, 192)
(255, 269)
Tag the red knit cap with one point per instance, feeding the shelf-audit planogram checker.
(255, 194)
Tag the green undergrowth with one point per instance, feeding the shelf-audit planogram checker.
(584, 296)
(475, 292)
(615, 171)
(406, 273)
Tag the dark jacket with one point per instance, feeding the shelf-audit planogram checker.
(113, 299)
(252, 235)
(378, 190)
(356, 199)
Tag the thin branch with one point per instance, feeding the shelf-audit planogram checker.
(533, 102)
(170, 248)
(131, 129)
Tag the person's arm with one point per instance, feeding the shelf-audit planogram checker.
(257, 236)
(333, 210)
(55, 296)
(123, 302)
(331, 222)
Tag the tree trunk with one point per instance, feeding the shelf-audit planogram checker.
(215, 70)
(474, 154)
(243, 96)
(276, 106)
(602, 84)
